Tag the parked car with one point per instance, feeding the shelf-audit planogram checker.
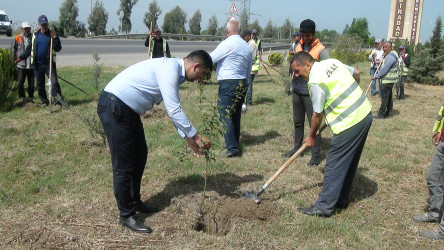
(5, 24)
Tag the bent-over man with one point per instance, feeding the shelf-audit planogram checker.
(126, 97)
(335, 95)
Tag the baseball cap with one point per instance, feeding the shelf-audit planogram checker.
(378, 40)
(402, 47)
(307, 26)
(43, 19)
(297, 33)
(254, 31)
(156, 30)
(26, 25)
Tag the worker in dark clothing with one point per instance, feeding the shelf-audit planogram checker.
(302, 105)
(159, 46)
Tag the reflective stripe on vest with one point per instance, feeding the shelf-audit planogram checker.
(392, 75)
(256, 63)
(346, 104)
(316, 48)
(403, 68)
(164, 48)
(34, 47)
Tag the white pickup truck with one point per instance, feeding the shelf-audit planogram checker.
(5, 24)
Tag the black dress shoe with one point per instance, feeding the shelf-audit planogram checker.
(141, 207)
(313, 211)
(230, 155)
(135, 224)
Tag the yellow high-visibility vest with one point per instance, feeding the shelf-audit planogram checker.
(346, 104)
(256, 63)
(392, 75)
(164, 48)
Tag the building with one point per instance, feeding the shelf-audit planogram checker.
(405, 20)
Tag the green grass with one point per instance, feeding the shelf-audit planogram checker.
(56, 180)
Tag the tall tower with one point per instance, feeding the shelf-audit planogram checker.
(405, 20)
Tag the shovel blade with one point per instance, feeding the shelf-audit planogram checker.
(252, 196)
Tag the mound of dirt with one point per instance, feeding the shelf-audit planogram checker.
(219, 213)
(155, 112)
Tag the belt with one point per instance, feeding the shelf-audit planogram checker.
(109, 95)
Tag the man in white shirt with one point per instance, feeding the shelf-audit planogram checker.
(233, 58)
(126, 97)
(376, 57)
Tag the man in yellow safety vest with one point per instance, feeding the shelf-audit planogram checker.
(337, 97)
(159, 46)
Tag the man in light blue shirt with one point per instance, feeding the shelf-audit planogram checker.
(126, 97)
(233, 58)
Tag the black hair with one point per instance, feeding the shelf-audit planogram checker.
(245, 33)
(302, 57)
(202, 57)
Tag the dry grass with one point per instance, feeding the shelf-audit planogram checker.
(56, 182)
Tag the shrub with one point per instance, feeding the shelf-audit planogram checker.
(275, 58)
(348, 50)
(8, 80)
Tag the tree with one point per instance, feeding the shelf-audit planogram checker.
(436, 42)
(152, 14)
(256, 26)
(98, 19)
(69, 11)
(212, 25)
(126, 7)
(287, 29)
(359, 27)
(174, 21)
(194, 23)
(326, 35)
(243, 20)
(269, 30)
(428, 59)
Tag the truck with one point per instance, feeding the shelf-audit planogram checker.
(5, 24)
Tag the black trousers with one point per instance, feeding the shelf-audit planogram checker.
(126, 140)
(302, 106)
(386, 108)
(22, 74)
(40, 72)
(341, 165)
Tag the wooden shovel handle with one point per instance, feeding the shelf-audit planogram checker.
(289, 161)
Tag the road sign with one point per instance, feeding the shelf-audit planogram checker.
(233, 18)
(233, 8)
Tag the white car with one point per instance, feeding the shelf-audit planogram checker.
(5, 24)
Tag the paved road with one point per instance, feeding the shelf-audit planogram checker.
(116, 52)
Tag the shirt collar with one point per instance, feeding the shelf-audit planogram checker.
(182, 71)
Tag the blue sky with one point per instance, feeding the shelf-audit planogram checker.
(328, 14)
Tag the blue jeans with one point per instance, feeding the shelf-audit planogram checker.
(372, 72)
(249, 99)
(230, 99)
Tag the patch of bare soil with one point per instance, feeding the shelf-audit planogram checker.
(219, 214)
(27, 104)
(155, 112)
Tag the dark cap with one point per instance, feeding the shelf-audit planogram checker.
(307, 26)
(245, 33)
(297, 33)
(43, 19)
(156, 30)
(254, 31)
(402, 47)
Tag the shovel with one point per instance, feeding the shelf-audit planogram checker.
(255, 196)
(49, 77)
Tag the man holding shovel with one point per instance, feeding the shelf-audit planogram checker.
(336, 95)
(41, 53)
(129, 95)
